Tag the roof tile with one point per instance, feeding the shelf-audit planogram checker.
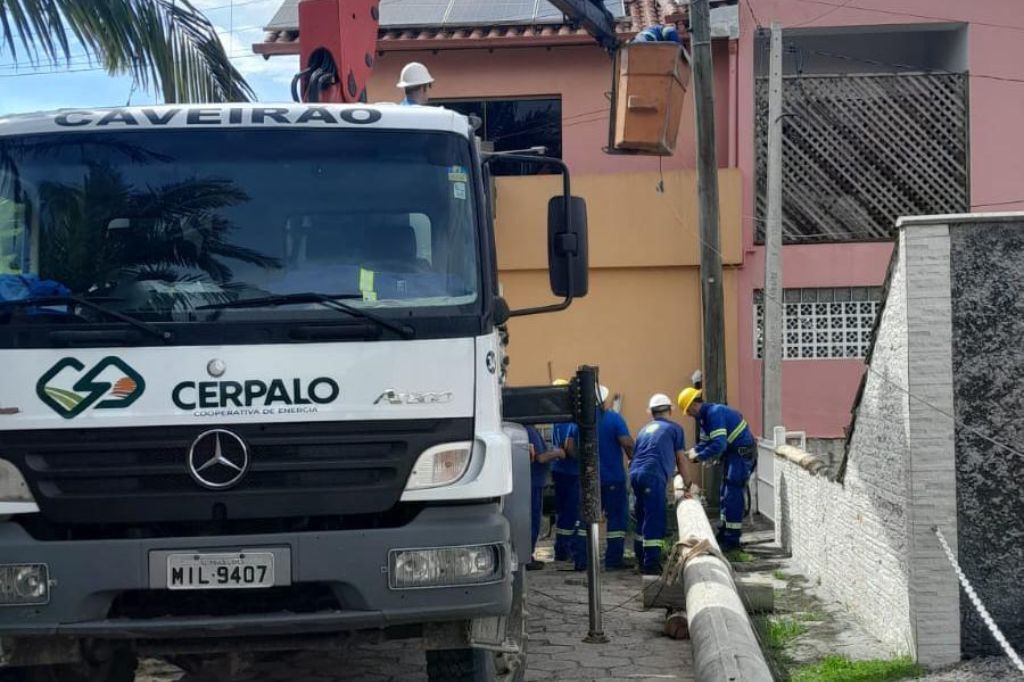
(640, 13)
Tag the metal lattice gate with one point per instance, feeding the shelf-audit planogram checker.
(859, 151)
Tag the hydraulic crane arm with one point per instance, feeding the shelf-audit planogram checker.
(338, 49)
(593, 16)
(339, 44)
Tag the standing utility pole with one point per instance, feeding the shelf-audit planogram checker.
(707, 191)
(771, 374)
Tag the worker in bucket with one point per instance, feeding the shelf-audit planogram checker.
(664, 33)
(658, 454)
(613, 444)
(541, 456)
(415, 80)
(570, 537)
(725, 434)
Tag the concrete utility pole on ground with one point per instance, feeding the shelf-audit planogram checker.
(707, 199)
(771, 374)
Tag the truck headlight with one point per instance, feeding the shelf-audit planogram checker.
(12, 484)
(444, 566)
(24, 584)
(440, 465)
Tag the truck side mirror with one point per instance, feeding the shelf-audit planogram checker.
(568, 258)
(567, 237)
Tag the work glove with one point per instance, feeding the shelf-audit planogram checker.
(691, 455)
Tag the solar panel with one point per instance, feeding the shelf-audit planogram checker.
(453, 13)
(286, 18)
(413, 12)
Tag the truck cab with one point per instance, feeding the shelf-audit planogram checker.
(252, 387)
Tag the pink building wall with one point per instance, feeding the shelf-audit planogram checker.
(818, 394)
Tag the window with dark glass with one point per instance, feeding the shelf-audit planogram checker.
(514, 124)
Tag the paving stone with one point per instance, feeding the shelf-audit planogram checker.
(558, 624)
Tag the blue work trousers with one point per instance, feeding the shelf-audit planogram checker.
(733, 499)
(615, 505)
(649, 492)
(570, 538)
(536, 513)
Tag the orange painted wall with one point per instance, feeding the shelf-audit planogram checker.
(631, 223)
(640, 323)
(641, 326)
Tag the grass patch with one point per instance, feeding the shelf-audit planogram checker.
(779, 575)
(781, 631)
(810, 617)
(842, 669)
(738, 556)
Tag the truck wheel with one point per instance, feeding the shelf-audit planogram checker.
(480, 665)
(120, 667)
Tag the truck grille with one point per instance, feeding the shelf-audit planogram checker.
(140, 475)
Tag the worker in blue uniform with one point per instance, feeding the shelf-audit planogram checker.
(659, 452)
(541, 456)
(570, 540)
(613, 444)
(725, 434)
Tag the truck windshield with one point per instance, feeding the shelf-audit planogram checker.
(166, 225)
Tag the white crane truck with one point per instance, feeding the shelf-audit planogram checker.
(251, 389)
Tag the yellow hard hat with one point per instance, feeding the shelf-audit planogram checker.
(559, 382)
(686, 398)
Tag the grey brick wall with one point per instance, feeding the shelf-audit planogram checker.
(934, 592)
(837, 539)
(852, 537)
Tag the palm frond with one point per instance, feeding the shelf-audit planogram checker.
(166, 43)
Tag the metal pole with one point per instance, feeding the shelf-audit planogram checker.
(590, 484)
(771, 369)
(707, 194)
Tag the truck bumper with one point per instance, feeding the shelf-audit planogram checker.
(89, 576)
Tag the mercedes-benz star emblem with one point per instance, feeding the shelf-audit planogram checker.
(218, 459)
(216, 368)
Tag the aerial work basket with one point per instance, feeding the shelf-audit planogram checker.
(649, 82)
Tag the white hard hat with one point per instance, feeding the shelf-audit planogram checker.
(602, 391)
(659, 400)
(414, 74)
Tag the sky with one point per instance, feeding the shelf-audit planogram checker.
(239, 23)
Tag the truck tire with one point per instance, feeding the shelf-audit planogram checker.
(481, 665)
(460, 665)
(120, 667)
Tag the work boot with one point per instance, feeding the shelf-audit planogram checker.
(534, 565)
(625, 564)
(651, 570)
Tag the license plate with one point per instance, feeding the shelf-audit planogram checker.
(225, 571)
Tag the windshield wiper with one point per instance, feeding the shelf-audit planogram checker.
(335, 302)
(43, 301)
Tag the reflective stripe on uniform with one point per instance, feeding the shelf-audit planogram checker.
(366, 278)
(565, 531)
(652, 543)
(734, 526)
(615, 534)
(736, 432)
(716, 433)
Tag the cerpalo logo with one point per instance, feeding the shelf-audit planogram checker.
(69, 389)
